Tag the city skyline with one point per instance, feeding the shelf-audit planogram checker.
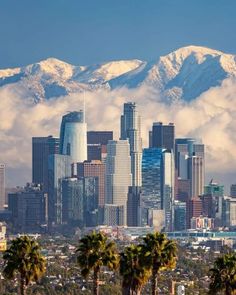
(145, 146)
(117, 145)
(201, 92)
(105, 191)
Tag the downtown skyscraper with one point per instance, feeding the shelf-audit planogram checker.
(157, 184)
(190, 167)
(2, 186)
(42, 147)
(118, 180)
(162, 136)
(73, 136)
(131, 130)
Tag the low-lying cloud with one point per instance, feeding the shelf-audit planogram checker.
(212, 117)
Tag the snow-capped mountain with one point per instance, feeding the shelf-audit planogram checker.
(184, 73)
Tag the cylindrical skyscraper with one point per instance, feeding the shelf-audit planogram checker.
(73, 136)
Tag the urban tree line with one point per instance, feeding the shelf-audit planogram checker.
(136, 263)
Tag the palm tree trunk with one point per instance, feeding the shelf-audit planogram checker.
(96, 281)
(125, 291)
(228, 290)
(22, 285)
(154, 281)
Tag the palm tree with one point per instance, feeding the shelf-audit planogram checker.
(95, 251)
(161, 255)
(223, 275)
(133, 270)
(24, 257)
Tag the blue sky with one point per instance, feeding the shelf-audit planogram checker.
(92, 31)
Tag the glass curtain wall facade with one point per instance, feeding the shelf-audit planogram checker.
(59, 167)
(42, 147)
(168, 183)
(73, 136)
(80, 201)
(163, 136)
(72, 201)
(151, 181)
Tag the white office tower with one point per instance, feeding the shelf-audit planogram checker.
(118, 174)
(168, 182)
(131, 130)
(196, 175)
(73, 136)
(2, 186)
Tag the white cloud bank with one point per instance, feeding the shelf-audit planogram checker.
(212, 117)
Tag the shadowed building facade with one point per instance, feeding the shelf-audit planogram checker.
(97, 144)
(163, 136)
(42, 147)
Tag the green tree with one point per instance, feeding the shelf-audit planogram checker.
(24, 257)
(133, 270)
(94, 252)
(223, 275)
(161, 255)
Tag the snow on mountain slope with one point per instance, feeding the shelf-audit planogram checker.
(107, 71)
(182, 74)
(51, 67)
(9, 72)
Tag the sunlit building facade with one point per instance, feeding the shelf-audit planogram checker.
(2, 186)
(73, 136)
(118, 174)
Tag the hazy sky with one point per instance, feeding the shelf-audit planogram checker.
(91, 31)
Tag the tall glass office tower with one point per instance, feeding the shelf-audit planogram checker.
(167, 190)
(131, 130)
(59, 167)
(157, 184)
(151, 174)
(42, 147)
(73, 136)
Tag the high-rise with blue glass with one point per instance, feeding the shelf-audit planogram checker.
(59, 167)
(73, 136)
(151, 178)
(157, 183)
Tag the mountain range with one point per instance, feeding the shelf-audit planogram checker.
(182, 74)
